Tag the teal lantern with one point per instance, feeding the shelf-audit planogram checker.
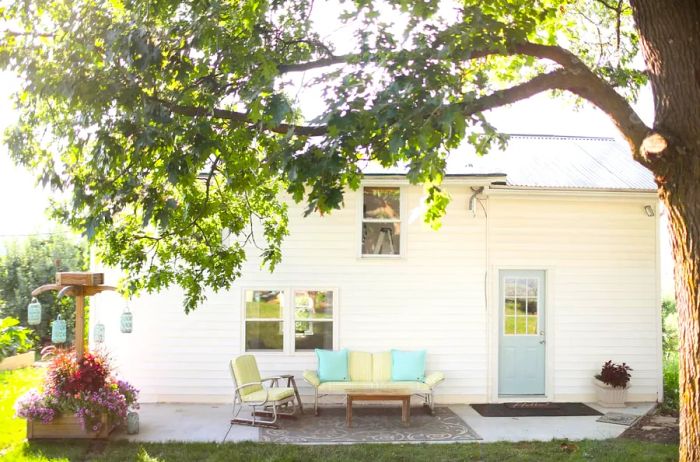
(34, 312)
(127, 321)
(58, 330)
(99, 333)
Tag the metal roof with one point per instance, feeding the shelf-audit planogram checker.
(548, 161)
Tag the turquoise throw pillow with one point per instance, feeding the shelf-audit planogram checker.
(407, 365)
(332, 365)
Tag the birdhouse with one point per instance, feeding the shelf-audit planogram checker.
(99, 333)
(127, 321)
(34, 312)
(58, 330)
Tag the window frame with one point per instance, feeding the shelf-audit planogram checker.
(362, 220)
(288, 317)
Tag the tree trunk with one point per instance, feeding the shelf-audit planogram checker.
(669, 33)
(681, 197)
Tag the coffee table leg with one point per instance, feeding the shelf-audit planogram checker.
(406, 411)
(348, 412)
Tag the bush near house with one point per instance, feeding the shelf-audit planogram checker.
(669, 324)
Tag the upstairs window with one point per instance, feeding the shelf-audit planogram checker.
(381, 221)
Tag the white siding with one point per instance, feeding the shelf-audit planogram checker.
(600, 255)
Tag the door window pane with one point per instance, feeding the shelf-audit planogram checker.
(532, 325)
(509, 326)
(510, 307)
(382, 203)
(381, 238)
(264, 335)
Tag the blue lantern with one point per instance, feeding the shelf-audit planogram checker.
(34, 312)
(127, 321)
(58, 330)
(99, 333)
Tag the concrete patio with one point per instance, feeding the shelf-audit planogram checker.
(210, 422)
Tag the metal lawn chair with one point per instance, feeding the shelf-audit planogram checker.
(265, 403)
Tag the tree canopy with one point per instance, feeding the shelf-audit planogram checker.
(174, 124)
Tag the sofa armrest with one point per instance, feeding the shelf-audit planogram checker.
(312, 378)
(434, 378)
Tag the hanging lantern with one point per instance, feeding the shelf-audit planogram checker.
(99, 333)
(58, 330)
(34, 312)
(127, 321)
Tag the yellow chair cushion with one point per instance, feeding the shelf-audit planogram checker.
(245, 370)
(273, 394)
(360, 366)
(381, 366)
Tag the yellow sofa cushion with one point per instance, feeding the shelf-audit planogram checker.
(381, 366)
(360, 366)
(343, 387)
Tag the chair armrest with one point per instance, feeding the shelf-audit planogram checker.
(271, 379)
(312, 378)
(434, 378)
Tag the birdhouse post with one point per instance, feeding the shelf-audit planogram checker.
(79, 286)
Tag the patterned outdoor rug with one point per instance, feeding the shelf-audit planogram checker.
(619, 418)
(370, 425)
(545, 410)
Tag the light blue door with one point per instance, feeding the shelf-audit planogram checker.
(521, 333)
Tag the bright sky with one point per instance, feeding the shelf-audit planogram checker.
(23, 203)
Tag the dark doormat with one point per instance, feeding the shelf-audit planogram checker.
(534, 410)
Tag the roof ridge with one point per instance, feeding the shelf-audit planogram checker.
(560, 137)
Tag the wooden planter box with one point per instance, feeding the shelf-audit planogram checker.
(17, 361)
(66, 426)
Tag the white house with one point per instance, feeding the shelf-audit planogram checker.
(546, 265)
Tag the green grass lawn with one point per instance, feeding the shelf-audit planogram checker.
(13, 447)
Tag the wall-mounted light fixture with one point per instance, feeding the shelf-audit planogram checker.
(649, 210)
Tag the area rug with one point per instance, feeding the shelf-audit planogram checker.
(528, 410)
(619, 418)
(371, 425)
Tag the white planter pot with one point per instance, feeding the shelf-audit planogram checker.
(610, 396)
(17, 361)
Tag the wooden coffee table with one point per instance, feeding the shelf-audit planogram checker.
(380, 395)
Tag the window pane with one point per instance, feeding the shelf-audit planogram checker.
(532, 306)
(310, 335)
(510, 306)
(520, 325)
(313, 304)
(521, 289)
(510, 287)
(263, 335)
(263, 304)
(520, 306)
(532, 287)
(381, 238)
(509, 328)
(382, 203)
(532, 325)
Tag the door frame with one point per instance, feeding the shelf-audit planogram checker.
(493, 322)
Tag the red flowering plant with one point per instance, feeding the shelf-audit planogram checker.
(85, 387)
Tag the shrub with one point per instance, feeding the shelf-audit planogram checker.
(85, 387)
(671, 399)
(13, 338)
(615, 375)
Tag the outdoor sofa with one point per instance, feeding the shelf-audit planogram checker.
(373, 371)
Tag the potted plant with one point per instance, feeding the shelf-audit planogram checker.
(81, 398)
(16, 345)
(612, 383)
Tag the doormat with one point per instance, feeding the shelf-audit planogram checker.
(619, 418)
(552, 410)
(370, 425)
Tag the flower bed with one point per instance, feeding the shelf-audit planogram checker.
(83, 392)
